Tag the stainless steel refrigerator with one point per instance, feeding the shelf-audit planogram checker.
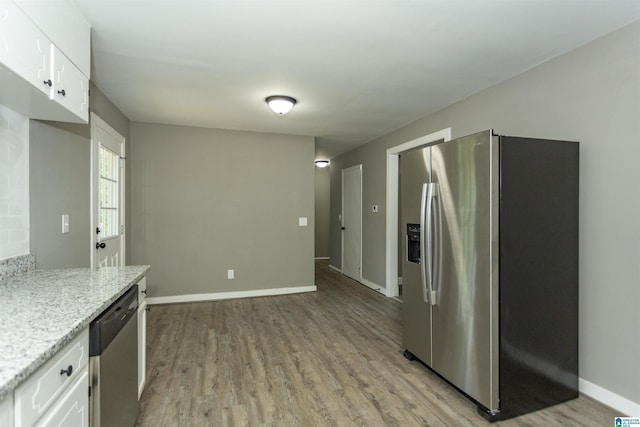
(490, 268)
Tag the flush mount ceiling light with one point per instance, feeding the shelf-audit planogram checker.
(322, 163)
(280, 104)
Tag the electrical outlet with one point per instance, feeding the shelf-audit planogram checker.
(230, 274)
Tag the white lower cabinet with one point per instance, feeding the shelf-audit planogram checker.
(142, 334)
(6, 411)
(72, 408)
(57, 394)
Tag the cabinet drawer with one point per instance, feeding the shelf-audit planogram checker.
(43, 387)
(72, 409)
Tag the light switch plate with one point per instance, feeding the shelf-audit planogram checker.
(302, 221)
(230, 274)
(65, 223)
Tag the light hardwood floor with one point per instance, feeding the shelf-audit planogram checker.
(327, 358)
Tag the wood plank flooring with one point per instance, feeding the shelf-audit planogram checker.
(327, 358)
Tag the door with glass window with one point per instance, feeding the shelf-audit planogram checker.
(107, 189)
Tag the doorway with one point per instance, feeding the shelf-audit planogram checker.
(107, 195)
(351, 222)
(393, 217)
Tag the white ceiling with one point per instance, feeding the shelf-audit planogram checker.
(359, 69)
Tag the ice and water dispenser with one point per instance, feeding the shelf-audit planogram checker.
(413, 243)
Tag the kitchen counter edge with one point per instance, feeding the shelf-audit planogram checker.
(116, 287)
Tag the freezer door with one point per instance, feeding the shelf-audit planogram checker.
(416, 313)
(464, 333)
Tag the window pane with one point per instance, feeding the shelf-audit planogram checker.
(109, 189)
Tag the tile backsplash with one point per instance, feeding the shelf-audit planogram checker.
(14, 183)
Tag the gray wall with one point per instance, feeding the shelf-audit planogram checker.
(59, 181)
(592, 95)
(323, 185)
(207, 200)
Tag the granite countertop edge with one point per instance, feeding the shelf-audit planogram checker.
(31, 363)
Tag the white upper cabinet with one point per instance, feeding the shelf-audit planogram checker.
(24, 49)
(64, 24)
(38, 78)
(70, 86)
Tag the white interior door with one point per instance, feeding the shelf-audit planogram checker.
(107, 195)
(352, 222)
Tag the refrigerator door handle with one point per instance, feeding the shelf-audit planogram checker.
(436, 280)
(425, 259)
(426, 236)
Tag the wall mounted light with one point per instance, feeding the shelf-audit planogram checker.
(322, 163)
(280, 104)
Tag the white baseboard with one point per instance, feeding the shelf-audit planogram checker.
(615, 401)
(229, 295)
(335, 268)
(377, 288)
(322, 257)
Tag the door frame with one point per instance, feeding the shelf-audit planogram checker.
(349, 169)
(393, 182)
(95, 120)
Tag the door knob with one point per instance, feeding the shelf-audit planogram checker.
(342, 228)
(101, 245)
(62, 92)
(48, 83)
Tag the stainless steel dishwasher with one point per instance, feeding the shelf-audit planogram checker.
(113, 364)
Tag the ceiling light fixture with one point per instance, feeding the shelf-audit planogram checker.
(322, 163)
(280, 104)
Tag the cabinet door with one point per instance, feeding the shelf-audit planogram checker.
(63, 23)
(42, 389)
(24, 49)
(6, 411)
(142, 335)
(72, 409)
(70, 86)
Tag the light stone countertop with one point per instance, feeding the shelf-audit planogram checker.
(42, 310)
